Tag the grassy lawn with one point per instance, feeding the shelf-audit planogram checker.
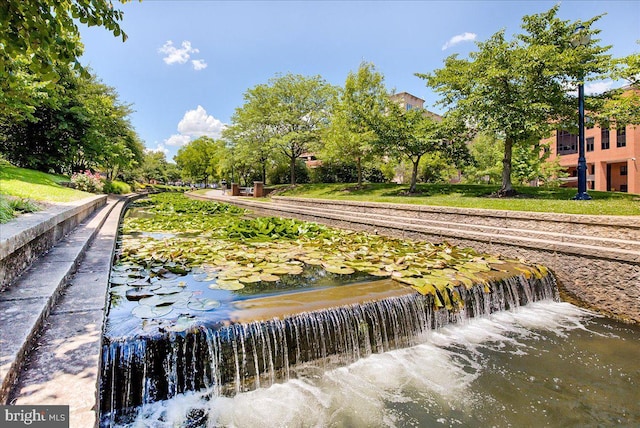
(477, 196)
(35, 185)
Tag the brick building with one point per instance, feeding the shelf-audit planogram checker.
(612, 156)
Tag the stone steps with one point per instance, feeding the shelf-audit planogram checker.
(28, 303)
(601, 241)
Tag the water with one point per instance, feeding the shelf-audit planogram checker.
(544, 364)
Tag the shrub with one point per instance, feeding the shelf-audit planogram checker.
(116, 187)
(10, 207)
(87, 182)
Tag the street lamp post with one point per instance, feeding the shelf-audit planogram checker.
(581, 38)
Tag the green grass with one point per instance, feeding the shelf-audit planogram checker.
(35, 185)
(537, 199)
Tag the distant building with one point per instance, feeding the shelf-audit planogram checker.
(612, 157)
(408, 102)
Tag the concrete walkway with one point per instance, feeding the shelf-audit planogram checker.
(51, 321)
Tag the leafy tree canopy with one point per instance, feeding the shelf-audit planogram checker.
(291, 110)
(518, 88)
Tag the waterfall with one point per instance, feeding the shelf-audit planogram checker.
(233, 358)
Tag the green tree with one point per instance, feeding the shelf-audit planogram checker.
(250, 143)
(201, 159)
(80, 125)
(292, 109)
(350, 134)
(518, 88)
(487, 151)
(411, 134)
(622, 106)
(37, 37)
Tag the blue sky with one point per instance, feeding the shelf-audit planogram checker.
(187, 64)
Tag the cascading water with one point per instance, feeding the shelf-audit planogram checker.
(230, 358)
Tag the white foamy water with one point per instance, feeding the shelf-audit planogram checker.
(543, 364)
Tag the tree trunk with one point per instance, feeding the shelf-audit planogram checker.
(507, 188)
(414, 175)
(264, 172)
(293, 170)
(359, 161)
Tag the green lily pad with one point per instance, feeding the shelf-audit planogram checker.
(135, 294)
(227, 285)
(250, 279)
(203, 304)
(269, 277)
(183, 323)
(143, 311)
(169, 290)
(118, 280)
(164, 300)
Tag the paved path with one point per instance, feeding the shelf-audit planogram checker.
(51, 321)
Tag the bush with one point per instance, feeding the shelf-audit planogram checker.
(87, 182)
(116, 187)
(282, 174)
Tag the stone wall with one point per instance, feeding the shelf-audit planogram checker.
(596, 259)
(23, 241)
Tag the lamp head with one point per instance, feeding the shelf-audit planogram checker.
(580, 37)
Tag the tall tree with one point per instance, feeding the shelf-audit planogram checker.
(518, 88)
(201, 159)
(250, 142)
(292, 109)
(80, 125)
(362, 102)
(39, 36)
(410, 134)
(622, 106)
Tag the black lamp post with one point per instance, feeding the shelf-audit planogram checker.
(581, 38)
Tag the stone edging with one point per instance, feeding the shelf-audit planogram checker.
(23, 240)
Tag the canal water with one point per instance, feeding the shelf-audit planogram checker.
(544, 364)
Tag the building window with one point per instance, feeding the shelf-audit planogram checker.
(590, 144)
(621, 137)
(604, 134)
(624, 188)
(566, 143)
(623, 170)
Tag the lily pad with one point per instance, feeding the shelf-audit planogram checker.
(169, 290)
(135, 294)
(183, 323)
(250, 279)
(203, 304)
(227, 285)
(342, 270)
(169, 299)
(145, 312)
(269, 277)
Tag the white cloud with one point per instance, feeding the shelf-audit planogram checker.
(177, 55)
(160, 147)
(198, 64)
(197, 123)
(464, 37)
(177, 140)
(596, 88)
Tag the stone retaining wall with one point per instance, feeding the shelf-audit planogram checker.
(23, 241)
(604, 277)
